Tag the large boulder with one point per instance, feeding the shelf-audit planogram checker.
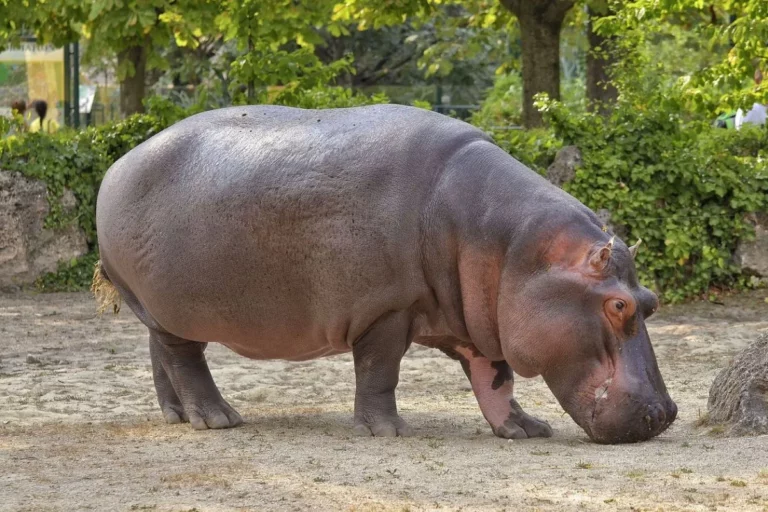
(563, 169)
(752, 256)
(27, 249)
(738, 398)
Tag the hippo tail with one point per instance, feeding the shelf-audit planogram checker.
(105, 292)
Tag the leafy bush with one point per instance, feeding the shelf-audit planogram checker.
(76, 161)
(683, 187)
(535, 148)
(503, 106)
(665, 175)
(71, 276)
(329, 97)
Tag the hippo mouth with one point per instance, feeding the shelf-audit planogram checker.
(618, 417)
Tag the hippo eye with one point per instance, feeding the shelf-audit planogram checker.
(620, 305)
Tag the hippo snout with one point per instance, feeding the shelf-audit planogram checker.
(632, 420)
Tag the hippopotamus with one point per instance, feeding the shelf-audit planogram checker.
(293, 234)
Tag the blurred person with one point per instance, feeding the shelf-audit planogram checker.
(757, 115)
(18, 121)
(46, 125)
(19, 108)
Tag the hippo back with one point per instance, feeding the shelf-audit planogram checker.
(277, 223)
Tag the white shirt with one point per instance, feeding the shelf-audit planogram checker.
(756, 116)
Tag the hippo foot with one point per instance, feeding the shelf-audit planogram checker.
(185, 388)
(521, 425)
(203, 418)
(220, 415)
(174, 414)
(383, 427)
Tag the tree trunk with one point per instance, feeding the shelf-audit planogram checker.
(540, 24)
(601, 93)
(132, 86)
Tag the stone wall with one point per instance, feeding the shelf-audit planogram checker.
(27, 249)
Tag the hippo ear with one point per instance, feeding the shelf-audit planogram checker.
(599, 260)
(634, 248)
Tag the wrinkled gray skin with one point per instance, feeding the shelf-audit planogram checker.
(294, 234)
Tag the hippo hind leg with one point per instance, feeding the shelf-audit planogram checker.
(184, 385)
(492, 383)
(173, 411)
(377, 356)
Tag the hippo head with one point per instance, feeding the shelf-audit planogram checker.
(579, 321)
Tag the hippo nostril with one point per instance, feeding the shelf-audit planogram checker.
(655, 417)
(671, 411)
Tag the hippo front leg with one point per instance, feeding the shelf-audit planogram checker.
(184, 385)
(492, 383)
(377, 357)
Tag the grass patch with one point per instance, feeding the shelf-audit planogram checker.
(583, 465)
(702, 420)
(716, 430)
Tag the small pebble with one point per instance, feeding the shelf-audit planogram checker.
(33, 360)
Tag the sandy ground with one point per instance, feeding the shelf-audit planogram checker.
(80, 429)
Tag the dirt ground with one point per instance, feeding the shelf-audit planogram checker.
(80, 429)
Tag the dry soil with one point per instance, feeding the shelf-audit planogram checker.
(80, 429)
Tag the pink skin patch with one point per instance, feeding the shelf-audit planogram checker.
(494, 403)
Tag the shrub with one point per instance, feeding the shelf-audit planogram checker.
(77, 161)
(682, 186)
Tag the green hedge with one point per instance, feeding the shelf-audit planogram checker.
(684, 187)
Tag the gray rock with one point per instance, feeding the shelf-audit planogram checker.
(752, 256)
(563, 169)
(739, 395)
(27, 249)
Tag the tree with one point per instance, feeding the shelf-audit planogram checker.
(128, 30)
(447, 47)
(540, 24)
(277, 41)
(732, 35)
(13, 16)
(601, 57)
(133, 31)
